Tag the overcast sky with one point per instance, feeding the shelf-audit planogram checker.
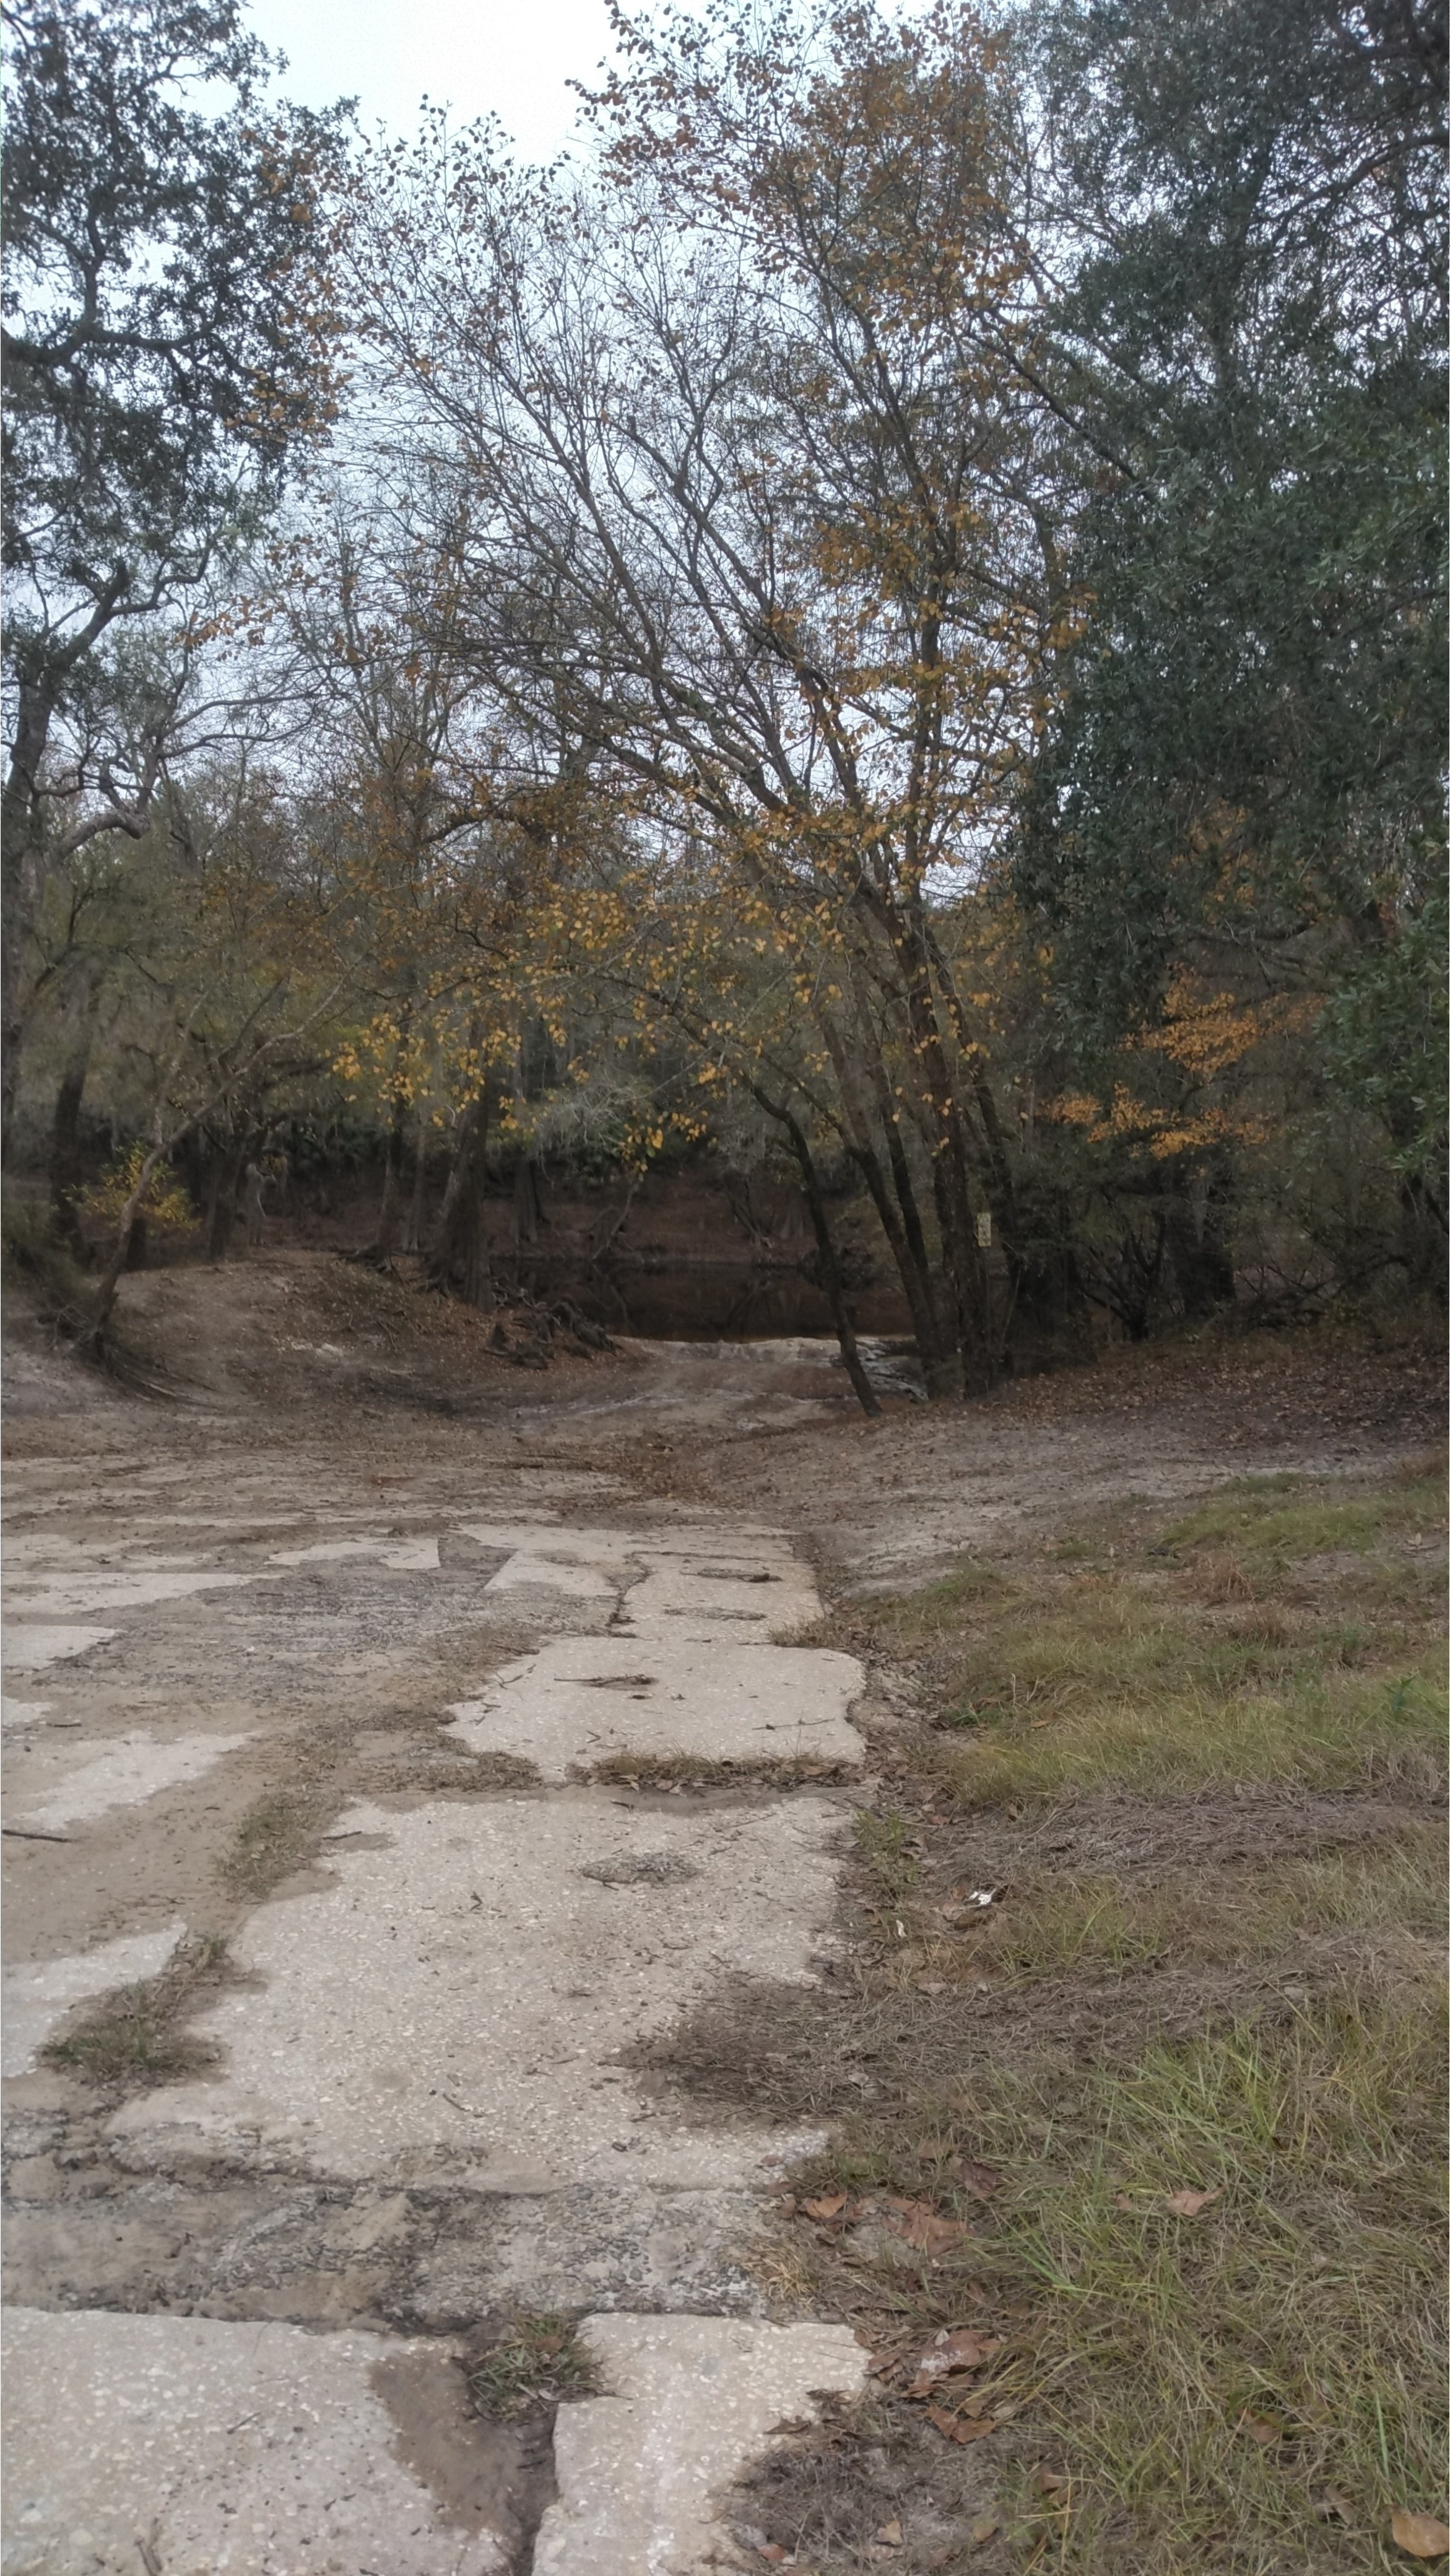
(513, 57)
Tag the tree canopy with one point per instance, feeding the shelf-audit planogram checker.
(900, 597)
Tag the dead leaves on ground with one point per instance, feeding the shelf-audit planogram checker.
(918, 2223)
(830, 2207)
(943, 2372)
(923, 2228)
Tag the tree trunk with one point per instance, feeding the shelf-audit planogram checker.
(459, 1260)
(385, 1239)
(65, 1132)
(900, 1222)
(830, 1267)
(120, 1256)
(1202, 1263)
(19, 856)
(528, 1207)
(413, 1230)
(221, 1209)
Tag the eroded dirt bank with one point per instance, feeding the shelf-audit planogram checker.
(401, 1747)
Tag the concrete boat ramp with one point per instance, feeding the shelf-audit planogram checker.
(245, 2299)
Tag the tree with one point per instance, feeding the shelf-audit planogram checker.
(1241, 778)
(166, 352)
(753, 518)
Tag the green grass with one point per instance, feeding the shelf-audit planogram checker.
(1255, 2389)
(1390, 1888)
(1255, 1517)
(1306, 2297)
(1157, 1718)
(1182, 1661)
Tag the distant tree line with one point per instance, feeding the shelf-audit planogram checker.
(895, 609)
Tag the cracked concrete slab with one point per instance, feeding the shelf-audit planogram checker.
(455, 2004)
(708, 1601)
(124, 1587)
(18, 1715)
(529, 1571)
(690, 2402)
(38, 1995)
(582, 1701)
(133, 1767)
(399, 1555)
(595, 2246)
(28, 1649)
(224, 2449)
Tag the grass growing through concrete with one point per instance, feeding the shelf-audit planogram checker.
(536, 2362)
(133, 2037)
(272, 1839)
(671, 1771)
(1161, 2123)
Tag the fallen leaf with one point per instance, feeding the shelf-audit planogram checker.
(1187, 2204)
(1261, 2429)
(956, 2427)
(772, 2552)
(959, 2350)
(980, 2180)
(1419, 2534)
(984, 2528)
(828, 2208)
(1047, 2482)
(890, 2532)
(924, 2229)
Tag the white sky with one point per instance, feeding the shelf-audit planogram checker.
(512, 57)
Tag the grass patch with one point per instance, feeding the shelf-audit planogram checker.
(697, 1771)
(133, 2037)
(536, 2362)
(1102, 1925)
(1277, 1519)
(1192, 1767)
(272, 1839)
(1165, 1719)
(1156, 1674)
(1208, 2382)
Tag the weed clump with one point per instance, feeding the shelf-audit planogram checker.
(536, 2362)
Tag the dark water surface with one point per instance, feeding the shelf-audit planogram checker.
(704, 1302)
